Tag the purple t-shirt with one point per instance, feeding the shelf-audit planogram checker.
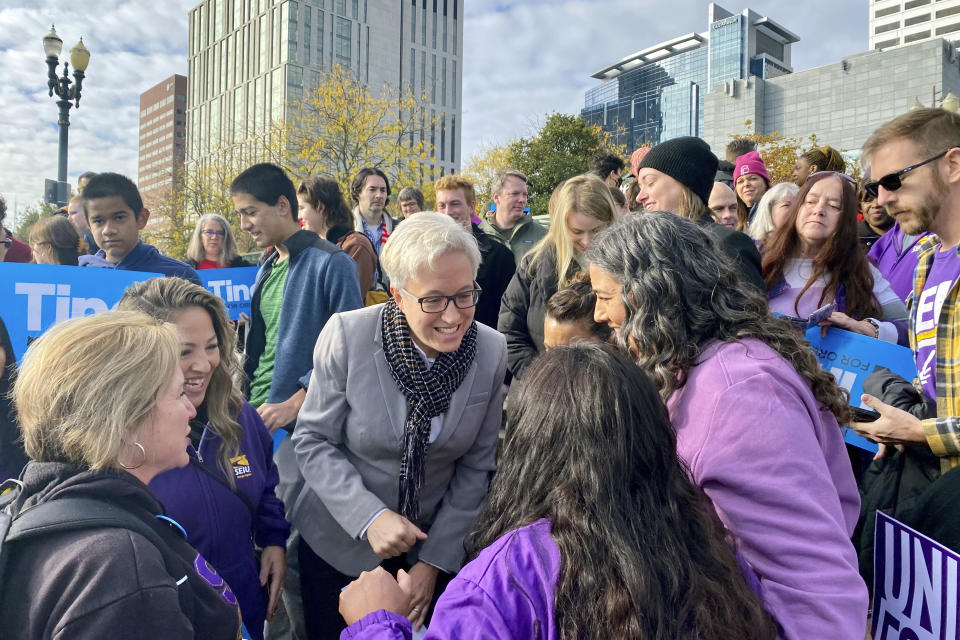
(943, 273)
(895, 256)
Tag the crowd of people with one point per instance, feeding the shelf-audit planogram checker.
(460, 419)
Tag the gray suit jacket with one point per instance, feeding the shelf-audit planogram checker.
(348, 439)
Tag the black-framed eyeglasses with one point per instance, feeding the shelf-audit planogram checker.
(893, 181)
(439, 304)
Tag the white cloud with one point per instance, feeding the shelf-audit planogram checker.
(522, 60)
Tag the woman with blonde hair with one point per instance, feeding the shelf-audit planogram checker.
(579, 209)
(212, 245)
(225, 496)
(54, 240)
(103, 411)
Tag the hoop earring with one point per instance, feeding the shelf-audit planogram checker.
(143, 453)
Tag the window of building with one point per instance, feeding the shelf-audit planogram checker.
(443, 138)
(434, 24)
(423, 72)
(454, 27)
(916, 20)
(413, 22)
(320, 38)
(343, 42)
(356, 9)
(444, 26)
(913, 4)
(883, 28)
(453, 96)
(879, 13)
(413, 70)
(443, 83)
(307, 33)
(949, 11)
(453, 131)
(766, 44)
(947, 28)
(913, 37)
(423, 25)
(433, 80)
(340, 7)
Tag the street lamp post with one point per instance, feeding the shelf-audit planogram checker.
(79, 58)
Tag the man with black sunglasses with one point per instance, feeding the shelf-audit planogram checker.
(914, 162)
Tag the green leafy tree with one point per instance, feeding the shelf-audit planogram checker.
(561, 149)
(30, 216)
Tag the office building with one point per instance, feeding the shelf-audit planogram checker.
(163, 139)
(250, 58)
(658, 93)
(842, 103)
(895, 23)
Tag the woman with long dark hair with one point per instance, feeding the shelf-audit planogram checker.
(592, 528)
(815, 258)
(757, 418)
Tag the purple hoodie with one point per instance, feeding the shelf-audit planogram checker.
(774, 464)
(505, 592)
(895, 262)
(219, 524)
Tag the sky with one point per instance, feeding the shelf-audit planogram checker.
(521, 61)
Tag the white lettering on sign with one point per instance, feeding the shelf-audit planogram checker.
(229, 292)
(65, 305)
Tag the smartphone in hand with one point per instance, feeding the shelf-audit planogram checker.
(864, 415)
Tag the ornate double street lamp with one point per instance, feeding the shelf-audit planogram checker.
(79, 58)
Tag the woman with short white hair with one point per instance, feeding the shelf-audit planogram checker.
(771, 212)
(397, 436)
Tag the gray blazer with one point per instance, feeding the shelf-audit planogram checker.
(348, 439)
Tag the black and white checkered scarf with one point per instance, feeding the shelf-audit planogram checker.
(428, 393)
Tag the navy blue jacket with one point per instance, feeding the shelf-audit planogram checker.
(220, 524)
(144, 257)
(321, 281)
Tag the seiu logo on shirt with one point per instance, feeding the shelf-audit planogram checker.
(241, 467)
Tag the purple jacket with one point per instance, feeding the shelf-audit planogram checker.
(773, 462)
(506, 592)
(894, 262)
(219, 523)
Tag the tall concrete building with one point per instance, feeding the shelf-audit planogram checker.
(163, 136)
(842, 103)
(895, 23)
(250, 58)
(658, 93)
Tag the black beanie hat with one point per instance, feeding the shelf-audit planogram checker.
(687, 160)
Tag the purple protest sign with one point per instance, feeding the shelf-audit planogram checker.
(914, 585)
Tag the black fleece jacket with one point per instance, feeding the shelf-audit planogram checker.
(107, 582)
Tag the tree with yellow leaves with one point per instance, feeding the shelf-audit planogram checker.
(481, 168)
(342, 126)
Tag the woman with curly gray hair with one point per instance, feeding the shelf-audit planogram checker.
(756, 417)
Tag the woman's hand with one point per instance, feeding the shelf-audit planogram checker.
(281, 414)
(843, 321)
(419, 584)
(390, 534)
(372, 591)
(273, 570)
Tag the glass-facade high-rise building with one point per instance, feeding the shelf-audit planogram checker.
(658, 93)
(250, 58)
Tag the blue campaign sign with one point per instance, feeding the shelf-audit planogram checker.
(233, 286)
(851, 357)
(35, 296)
(914, 585)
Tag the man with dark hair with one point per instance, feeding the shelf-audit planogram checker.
(738, 147)
(457, 198)
(608, 166)
(304, 280)
(115, 214)
(83, 180)
(11, 249)
(370, 189)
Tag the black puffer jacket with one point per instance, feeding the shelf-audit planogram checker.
(524, 306)
(496, 269)
(107, 582)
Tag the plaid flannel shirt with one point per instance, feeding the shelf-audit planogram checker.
(942, 432)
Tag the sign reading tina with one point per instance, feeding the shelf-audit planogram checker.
(914, 585)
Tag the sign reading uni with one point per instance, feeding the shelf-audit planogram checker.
(915, 583)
